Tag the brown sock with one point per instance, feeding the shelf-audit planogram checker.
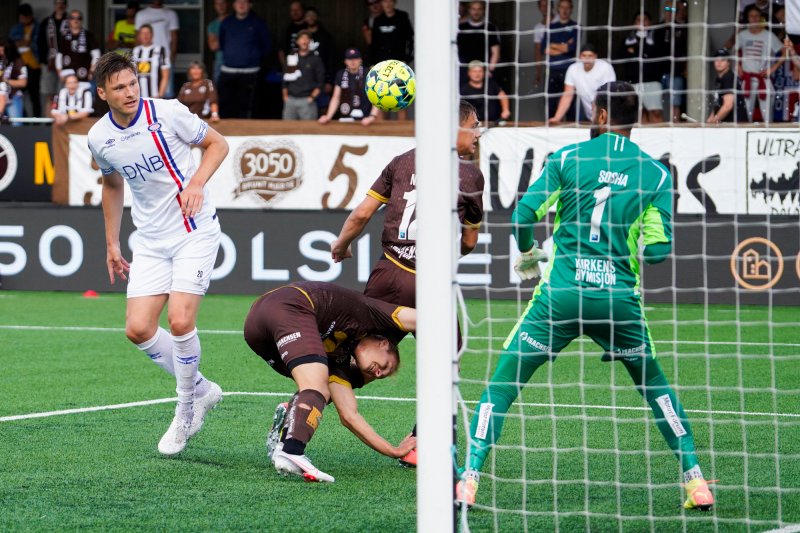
(304, 416)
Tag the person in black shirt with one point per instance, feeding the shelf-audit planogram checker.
(392, 35)
(302, 81)
(348, 101)
(297, 22)
(489, 99)
(477, 39)
(673, 38)
(723, 100)
(639, 50)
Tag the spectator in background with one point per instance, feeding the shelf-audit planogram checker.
(322, 44)
(78, 51)
(123, 38)
(793, 94)
(152, 65)
(539, 33)
(297, 23)
(673, 38)
(639, 53)
(199, 94)
(4, 90)
(348, 101)
(723, 100)
(757, 49)
(779, 23)
(489, 99)
(582, 79)
(560, 47)
(25, 35)
(223, 9)
(375, 10)
(15, 75)
(245, 41)
(785, 81)
(73, 102)
(477, 40)
(50, 31)
(392, 35)
(165, 31)
(765, 7)
(302, 81)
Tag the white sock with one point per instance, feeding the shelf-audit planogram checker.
(159, 350)
(692, 473)
(186, 350)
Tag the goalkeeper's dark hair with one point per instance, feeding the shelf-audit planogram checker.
(620, 101)
(465, 109)
(109, 64)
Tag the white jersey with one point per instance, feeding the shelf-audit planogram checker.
(150, 60)
(68, 104)
(153, 154)
(587, 83)
(163, 21)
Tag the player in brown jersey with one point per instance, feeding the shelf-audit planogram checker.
(329, 340)
(394, 277)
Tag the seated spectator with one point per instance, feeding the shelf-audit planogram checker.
(583, 78)
(639, 50)
(477, 39)
(73, 102)
(348, 101)
(14, 75)
(724, 99)
(560, 46)
(152, 65)
(78, 51)
(199, 94)
(123, 38)
(673, 38)
(245, 41)
(489, 99)
(761, 55)
(302, 81)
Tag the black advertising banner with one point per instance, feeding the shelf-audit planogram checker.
(722, 259)
(26, 163)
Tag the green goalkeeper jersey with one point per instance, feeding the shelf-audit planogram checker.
(610, 194)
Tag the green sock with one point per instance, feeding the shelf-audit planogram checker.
(670, 417)
(511, 374)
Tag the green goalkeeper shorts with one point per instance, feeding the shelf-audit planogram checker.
(555, 317)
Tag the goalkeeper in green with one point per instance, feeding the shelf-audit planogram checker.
(611, 195)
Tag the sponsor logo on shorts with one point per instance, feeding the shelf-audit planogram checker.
(670, 415)
(533, 343)
(291, 337)
(630, 354)
(484, 415)
(267, 169)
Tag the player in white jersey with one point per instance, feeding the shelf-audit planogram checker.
(152, 65)
(147, 143)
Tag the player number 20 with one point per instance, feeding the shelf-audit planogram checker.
(600, 197)
(271, 165)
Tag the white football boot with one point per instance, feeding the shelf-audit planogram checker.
(298, 465)
(174, 440)
(274, 435)
(203, 405)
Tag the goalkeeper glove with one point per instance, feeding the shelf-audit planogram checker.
(527, 264)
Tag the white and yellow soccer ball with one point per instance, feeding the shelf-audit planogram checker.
(391, 85)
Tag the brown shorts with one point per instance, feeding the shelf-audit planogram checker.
(393, 284)
(281, 328)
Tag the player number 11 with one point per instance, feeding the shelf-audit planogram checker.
(600, 197)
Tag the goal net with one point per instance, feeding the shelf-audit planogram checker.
(580, 448)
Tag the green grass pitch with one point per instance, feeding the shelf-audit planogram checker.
(100, 470)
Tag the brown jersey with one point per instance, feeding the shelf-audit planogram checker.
(306, 320)
(198, 98)
(397, 187)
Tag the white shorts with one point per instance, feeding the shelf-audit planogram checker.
(650, 93)
(179, 264)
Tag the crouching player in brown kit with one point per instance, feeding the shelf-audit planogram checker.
(329, 340)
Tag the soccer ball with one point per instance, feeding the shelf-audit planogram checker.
(391, 85)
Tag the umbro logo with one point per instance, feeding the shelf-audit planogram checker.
(110, 142)
(155, 126)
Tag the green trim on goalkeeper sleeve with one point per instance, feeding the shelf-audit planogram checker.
(670, 417)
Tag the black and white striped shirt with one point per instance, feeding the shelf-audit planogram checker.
(78, 102)
(149, 62)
